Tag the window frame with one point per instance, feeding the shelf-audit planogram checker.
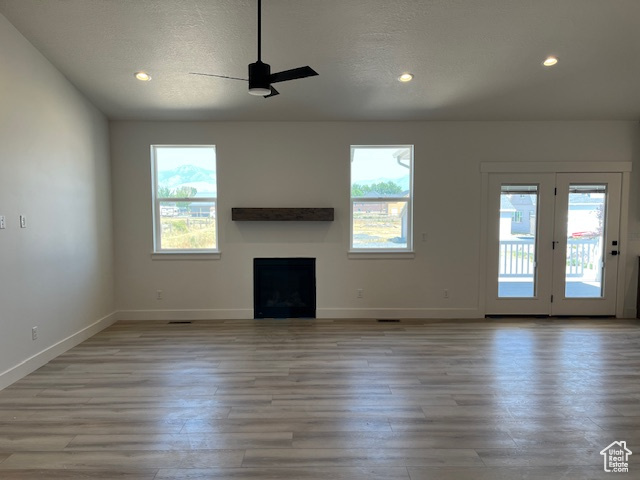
(158, 251)
(393, 252)
(517, 216)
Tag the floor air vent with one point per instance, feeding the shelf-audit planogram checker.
(388, 320)
(179, 322)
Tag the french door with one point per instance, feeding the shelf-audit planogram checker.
(553, 243)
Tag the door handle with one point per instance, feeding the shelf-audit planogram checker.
(614, 252)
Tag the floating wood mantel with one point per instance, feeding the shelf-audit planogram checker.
(282, 214)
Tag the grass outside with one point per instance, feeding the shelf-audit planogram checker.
(188, 233)
(372, 229)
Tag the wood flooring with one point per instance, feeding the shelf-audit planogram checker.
(330, 399)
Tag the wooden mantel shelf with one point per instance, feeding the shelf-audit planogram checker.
(282, 214)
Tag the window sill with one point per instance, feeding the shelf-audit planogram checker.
(186, 256)
(371, 255)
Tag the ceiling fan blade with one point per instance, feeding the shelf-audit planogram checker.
(293, 74)
(219, 76)
(273, 92)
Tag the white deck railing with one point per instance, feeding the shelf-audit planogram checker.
(517, 257)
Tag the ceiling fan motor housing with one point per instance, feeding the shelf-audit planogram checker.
(259, 78)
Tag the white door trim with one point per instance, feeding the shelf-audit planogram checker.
(555, 167)
(539, 303)
(597, 305)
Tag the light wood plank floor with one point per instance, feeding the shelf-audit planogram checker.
(319, 399)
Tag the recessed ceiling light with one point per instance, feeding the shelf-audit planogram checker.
(143, 76)
(405, 77)
(550, 61)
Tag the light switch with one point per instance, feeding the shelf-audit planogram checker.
(2, 226)
(23, 221)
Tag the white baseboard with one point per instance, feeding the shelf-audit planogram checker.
(36, 361)
(399, 313)
(204, 314)
(247, 313)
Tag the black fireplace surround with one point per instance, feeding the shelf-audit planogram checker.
(284, 287)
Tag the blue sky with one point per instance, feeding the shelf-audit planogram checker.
(169, 157)
(372, 163)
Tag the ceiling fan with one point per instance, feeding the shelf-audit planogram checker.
(260, 76)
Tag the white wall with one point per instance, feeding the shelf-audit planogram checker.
(57, 273)
(633, 240)
(306, 164)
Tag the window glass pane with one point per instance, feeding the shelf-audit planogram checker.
(380, 172)
(381, 182)
(189, 227)
(186, 194)
(380, 224)
(518, 227)
(186, 171)
(585, 241)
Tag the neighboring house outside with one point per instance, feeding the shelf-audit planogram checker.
(518, 215)
(401, 208)
(524, 216)
(507, 212)
(371, 207)
(201, 209)
(395, 209)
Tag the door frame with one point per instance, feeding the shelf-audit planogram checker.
(487, 168)
(538, 304)
(563, 305)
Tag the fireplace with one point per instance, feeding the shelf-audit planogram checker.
(284, 287)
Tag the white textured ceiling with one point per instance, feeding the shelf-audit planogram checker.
(472, 59)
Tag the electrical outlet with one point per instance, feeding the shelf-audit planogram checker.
(445, 293)
(34, 333)
(359, 293)
(424, 237)
(2, 226)
(23, 221)
(158, 294)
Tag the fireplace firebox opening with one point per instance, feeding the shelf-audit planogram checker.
(284, 287)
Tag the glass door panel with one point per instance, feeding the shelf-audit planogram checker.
(552, 243)
(517, 241)
(585, 241)
(519, 253)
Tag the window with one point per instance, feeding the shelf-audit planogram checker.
(381, 197)
(184, 199)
